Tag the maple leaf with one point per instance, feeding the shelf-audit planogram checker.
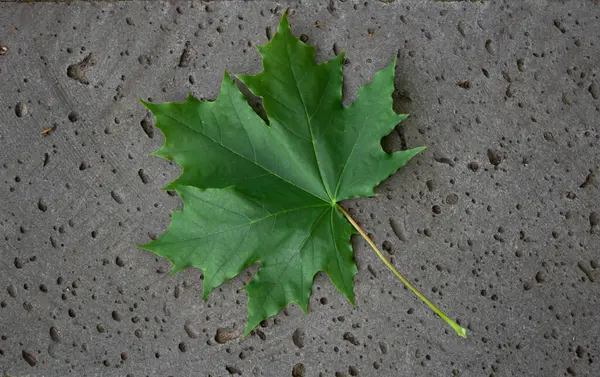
(269, 194)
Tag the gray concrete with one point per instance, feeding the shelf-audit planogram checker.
(505, 94)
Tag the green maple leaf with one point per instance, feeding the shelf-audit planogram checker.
(269, 194)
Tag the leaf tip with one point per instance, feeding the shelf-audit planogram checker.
(246, 332)
(145, 246)
(251, 324)
(207, 287)
(341, 56)
(284, 26)
(173, 186)
(156, 153)
(175, 268)
(303, 306)
(402, 117)
(146, 104)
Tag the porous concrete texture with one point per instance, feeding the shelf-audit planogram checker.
(498, 221)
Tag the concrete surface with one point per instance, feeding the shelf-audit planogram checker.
(506, 94)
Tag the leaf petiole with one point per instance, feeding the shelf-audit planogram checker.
(461, 331)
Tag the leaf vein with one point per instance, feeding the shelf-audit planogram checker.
(245, 158)
(312, 139)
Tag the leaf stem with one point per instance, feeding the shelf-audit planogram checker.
(461, 331)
